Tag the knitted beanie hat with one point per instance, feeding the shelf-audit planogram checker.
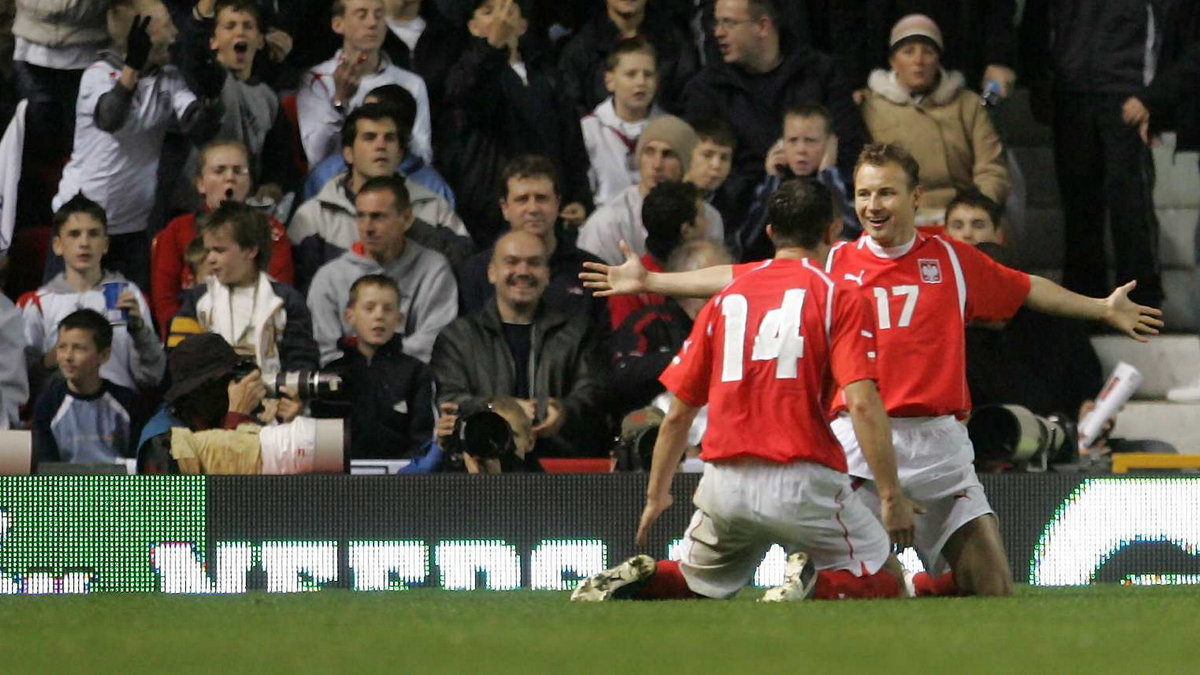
(672, 131)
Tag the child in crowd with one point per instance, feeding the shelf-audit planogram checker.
(257, 315)
(974, 218)
(127, 100)
(83, 417)
(224, 175)
(712, 158)
(611, 131)
(807, 152)
(81, 239)
(391, 400)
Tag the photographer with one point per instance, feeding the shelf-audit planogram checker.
(390, 406)
(203, 395)
(493, 435)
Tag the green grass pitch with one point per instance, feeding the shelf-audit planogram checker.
(1099, 629)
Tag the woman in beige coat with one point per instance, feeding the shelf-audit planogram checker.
(927, 110)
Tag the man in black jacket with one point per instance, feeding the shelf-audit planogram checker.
(517, 346)
(1096, 50)
(761, 77)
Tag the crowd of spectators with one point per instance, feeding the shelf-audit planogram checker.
(405, 191)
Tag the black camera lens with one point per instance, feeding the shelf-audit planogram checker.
(483, 434)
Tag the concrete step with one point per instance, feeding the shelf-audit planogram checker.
(1166, 361)
(1174, 423)
(1176, 176)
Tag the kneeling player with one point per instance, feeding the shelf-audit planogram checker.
(776, 339)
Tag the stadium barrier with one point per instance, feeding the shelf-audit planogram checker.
(191, 534)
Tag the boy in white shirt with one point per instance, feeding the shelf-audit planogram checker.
(611, 131)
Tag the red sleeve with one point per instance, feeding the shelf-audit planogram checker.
(231, 420)
(166, 268)
(994, 292)
(281, 268)
(852, 337)
(690, 371)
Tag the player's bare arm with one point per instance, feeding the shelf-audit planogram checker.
(631, 278)
(875, 437)
(1117, 310)
(668, 452)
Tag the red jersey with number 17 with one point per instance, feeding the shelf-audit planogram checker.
(923, 295)
(764, 355)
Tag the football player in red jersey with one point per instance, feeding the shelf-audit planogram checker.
(925, 289)
(781, 337)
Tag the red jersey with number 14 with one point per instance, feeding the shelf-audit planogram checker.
(764, 355)
(923, 296)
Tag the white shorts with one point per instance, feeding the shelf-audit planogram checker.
(744, 507)
(933, 458)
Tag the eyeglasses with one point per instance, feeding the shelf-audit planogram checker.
(730, 24)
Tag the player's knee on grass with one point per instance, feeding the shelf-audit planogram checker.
(976, 555)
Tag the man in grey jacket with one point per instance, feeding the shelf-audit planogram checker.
(517, 346)
(428, 293)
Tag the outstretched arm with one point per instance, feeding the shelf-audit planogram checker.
(668, 452)
(1117, 310)
(631, 278)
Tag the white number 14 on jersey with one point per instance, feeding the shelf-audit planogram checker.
(778, 336)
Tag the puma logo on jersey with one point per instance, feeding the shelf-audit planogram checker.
(856, 278)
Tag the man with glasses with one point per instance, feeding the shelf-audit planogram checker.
(761, 74)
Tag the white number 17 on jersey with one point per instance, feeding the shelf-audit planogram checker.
(778, 336)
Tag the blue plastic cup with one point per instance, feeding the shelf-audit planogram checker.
(112, 294)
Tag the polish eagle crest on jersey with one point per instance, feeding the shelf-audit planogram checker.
(931, 271)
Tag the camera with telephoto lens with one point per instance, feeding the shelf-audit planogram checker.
(635, 445)
(480, 432)
(310, 385)
(1013, 437)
